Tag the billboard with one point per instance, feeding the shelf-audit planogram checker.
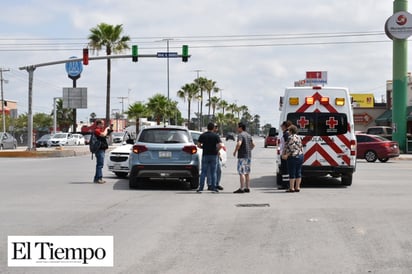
(363, 100)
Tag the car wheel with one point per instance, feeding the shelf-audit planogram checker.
(121, 174)
(266, 145)
(346, 180)
(1, 147)
(383, 160)
(370, 156)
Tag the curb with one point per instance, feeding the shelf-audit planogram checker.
(42, 154)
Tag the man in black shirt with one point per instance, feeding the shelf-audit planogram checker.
(210, 143)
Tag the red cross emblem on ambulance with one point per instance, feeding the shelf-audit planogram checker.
(331, 122)
(303, 122)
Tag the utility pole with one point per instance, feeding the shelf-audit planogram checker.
(3, 113)
(122, 98)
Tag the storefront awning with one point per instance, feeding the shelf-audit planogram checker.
(386, 117)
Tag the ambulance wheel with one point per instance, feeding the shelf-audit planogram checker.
(371, 156)
(347, 180)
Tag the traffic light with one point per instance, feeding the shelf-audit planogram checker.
(185, 53)
(85, 56)
(135, 53)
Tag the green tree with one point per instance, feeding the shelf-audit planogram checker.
(42, 121)
(213, 102)
(222, 105)
(189, 92)
(137, 111)
(159, 107)
(201, 82)
(64, 116)
(210, 86)
(108, 37)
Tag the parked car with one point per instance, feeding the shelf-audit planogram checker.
(118, 137)
(271, 139)
(383, 131)
(61, 139)
(163, 153)
(78, 139)
(373, 147)
(7, 141)
(118, 160)
(230, 136)
(42, 141)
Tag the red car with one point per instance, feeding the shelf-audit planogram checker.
(373, 147)
(271, 139)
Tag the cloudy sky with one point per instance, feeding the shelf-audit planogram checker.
(253, 49)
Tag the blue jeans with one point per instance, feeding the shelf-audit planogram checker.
(218, 174)
(209, 165)
(99, 164)
(295, 166)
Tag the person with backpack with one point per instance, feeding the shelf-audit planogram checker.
(98, 146)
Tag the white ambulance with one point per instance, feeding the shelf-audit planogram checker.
(324, 118)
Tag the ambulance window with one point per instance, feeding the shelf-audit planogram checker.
(319, 124)
(332, 124)
(305, 122)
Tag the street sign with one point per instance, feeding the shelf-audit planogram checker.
(74, 68)
(316, 77)
(167, 55)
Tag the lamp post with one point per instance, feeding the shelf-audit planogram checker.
(168, 78)
(3, 113)
(55, 114)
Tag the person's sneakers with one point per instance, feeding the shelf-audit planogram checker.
(215, 191)
(246, 190)
(220, 187)
(239, 191)
(198, 191)
(209, 188)
(100, 181)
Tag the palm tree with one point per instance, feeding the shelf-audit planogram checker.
(110, 37)
(137, 111)
(201, 82)
(159, 107)
(64, 116)
(188, 92)
(222, 105)
(210, 86)
(213, 102)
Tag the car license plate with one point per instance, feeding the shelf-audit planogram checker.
(165, 154)
(116, 166)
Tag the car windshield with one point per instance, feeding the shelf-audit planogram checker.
(164, 136)
(45, 137)
(59, 135)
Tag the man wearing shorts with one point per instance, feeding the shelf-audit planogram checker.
(243, 149)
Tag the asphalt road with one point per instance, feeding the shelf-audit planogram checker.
(326, 228)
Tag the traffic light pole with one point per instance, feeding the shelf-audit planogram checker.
(30, 69)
